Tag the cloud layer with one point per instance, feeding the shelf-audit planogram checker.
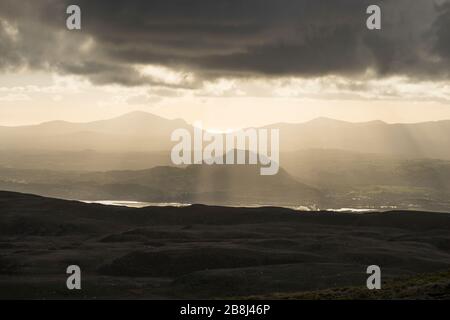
(205, 40)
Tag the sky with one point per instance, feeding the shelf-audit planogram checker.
(227, 63)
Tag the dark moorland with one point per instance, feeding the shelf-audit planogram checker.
(215, 252)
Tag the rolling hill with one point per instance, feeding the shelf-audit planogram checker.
(238, 185)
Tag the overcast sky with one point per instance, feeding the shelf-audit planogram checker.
(229, 63)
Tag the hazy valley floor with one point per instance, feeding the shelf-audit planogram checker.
(208, 252)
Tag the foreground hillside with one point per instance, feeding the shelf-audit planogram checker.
(422, 286)
(206, 252)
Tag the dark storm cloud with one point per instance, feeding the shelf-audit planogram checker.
(216, 38)
(442, 32)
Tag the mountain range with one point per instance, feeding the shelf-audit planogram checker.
(143, 132)
(135, 131)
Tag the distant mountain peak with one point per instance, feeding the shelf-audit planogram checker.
(138, 114)
(143, 118)
(374, 122)
(325, 120)
(54, 123)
